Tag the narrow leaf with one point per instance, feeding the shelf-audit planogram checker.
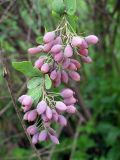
(70, 6)
(58, 6)
(34, 82)
(48, 82)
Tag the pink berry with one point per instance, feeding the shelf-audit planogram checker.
(44, 118)
(45, 68)
(54, 139)
(84, 52)
(91, 39)
(76, 63)
(74, 75)
(58, 40)
(41, 107)
(20, 99)
(56, 48)
(32, 130)
(57, 80)
(64, 77)
(84, 44)
(49, 36)
(58, 57)
(76, 41)
(54, 115)
(66, 93)
(62, 120)
(27, 101)
(71, 109)
(66, 63)
(39, 62)
(35, 50)
(86, 59)
(53, 74)
(42, 135)
(35, 138)
(48, 113)
(72, 67)
(32, 115)
(25, 117)
(70, 100)
(60, 106)
(68, 52)
(47, 47)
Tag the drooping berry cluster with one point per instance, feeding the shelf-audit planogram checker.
(59, 48)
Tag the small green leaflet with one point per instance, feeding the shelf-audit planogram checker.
(58, 6)
(35, 93)
(48, 82)
(26, 68)
(70, 6)
(34, 82)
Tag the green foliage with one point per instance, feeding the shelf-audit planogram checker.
(26, 68)
(34, 82)
(48, 82)
(58, 6)
(70, 6)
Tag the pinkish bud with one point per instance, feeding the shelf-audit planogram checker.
(44, 118)
(84, 52)
(84, 44)
(68, 52)
(49, 36)
(56, 48)
(41, 107)
(54, 139)
(32, 115)
(62, 120)
(76, 63)
(86, 59)
(71, 109)
(27, 101)
(45, 68)
(35, 50)
(58, 57)
(70, 100)
(57, 80)
(58, 40)
(76, 41)
(35, 138)
(64, 77)
(66, 93)
(42, 135)
(91, 39)
(39, 62)
(72, 67)
(48, 46)
(53, 74)
(74, 75)
(31, 130)
(60, 106)
(20, 99)
(25, 117)
(66, 63)
(54, 115)
(48, 113)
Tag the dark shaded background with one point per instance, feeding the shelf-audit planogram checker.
(21, 24)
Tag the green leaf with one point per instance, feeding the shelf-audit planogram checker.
(73, 20)
(48, 82)
(70, 6)
(39, 40)
(34, 82)
(36, 94)
(26, 68)
(58, 6)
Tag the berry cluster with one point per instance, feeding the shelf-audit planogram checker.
(58, 61)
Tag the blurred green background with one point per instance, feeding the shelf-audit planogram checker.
(22, 23)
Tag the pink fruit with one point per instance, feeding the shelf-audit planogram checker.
(86, 59)
(53, 74)
(48, 37)
(84, 44)
(44, 118)
(56, 48)
(25, 117)
(76, 41)
(72, 67)
(68, 52)
(54, 139)
(74, 75)
(42, 135)
(48, 46)
(70, 100)
(32, 130)
(39, 62)
(20, 99)
(41, 107)
(66, 93)
(91, 39)
(32, 115)
(45, 68)
(54, 115)
(84, 52)
(35, 138)
(57, 80)
(58, 57)
(58, 40)
(71, 109)
(35, 50)
(62, 120)
(66, 63)
(60, 106)
(64, 77)
(48, 113)
(76, 63)
(27, 101)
